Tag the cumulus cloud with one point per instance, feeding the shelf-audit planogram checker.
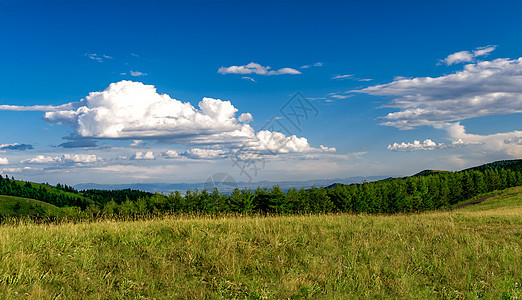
(143, 156)
(65, 158)
(254, 68)
(15, 146)
(4, 161)
(493, 143)
(196, 153)
(480, 89)
(245, 118)
(170, 154)
(276, 142)
(467, 56)
(428, 144)
(134, 111)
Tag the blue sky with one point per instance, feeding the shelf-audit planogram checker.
(184, 89)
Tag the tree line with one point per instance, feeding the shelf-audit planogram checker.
(434, 190)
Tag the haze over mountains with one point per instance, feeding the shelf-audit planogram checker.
(224, 184)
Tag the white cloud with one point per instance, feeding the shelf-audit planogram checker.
(136, 143)
(276, 142)
(254, 68)
(317, 64)
(489, 144)
(134, 111)
(4, 161)
(97, 57)
(467, 56)
(248, 78)
(137, 73)
(143, 156)
(79, 158)
(245, 118)
(416, 145)
(45, 108)
(327, 149)
(40, 159)
(481, 89)
(170, 154)
(196, 153)
(337, 96)
(342, 76)
(65, 158)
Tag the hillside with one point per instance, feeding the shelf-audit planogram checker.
(515, 164)
(18, 207)
(475, 252)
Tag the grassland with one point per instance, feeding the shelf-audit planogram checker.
(475, 252)
(17, 206)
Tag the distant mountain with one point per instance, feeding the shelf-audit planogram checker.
(225, 186)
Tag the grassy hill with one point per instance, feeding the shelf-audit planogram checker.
(11, 206)
(474, 252)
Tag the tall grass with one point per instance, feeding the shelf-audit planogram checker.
(471, 253)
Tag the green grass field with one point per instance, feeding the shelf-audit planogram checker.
(18, 207)
(474, 252)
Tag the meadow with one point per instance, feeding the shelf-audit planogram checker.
(470, 253)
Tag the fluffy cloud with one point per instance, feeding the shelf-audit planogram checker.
(253, 68)
(133, 111)
(143, 156)
(197, 153)
(15, 146)
(4, 161)
(467, 56)
(426, 145)
(481, 89)
(276, 142)
(65, 158)
(170, 154)
(245, 118)
(503, 143)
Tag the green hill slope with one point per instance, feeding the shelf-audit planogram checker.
(11, 206)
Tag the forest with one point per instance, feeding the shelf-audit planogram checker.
(427, 190)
